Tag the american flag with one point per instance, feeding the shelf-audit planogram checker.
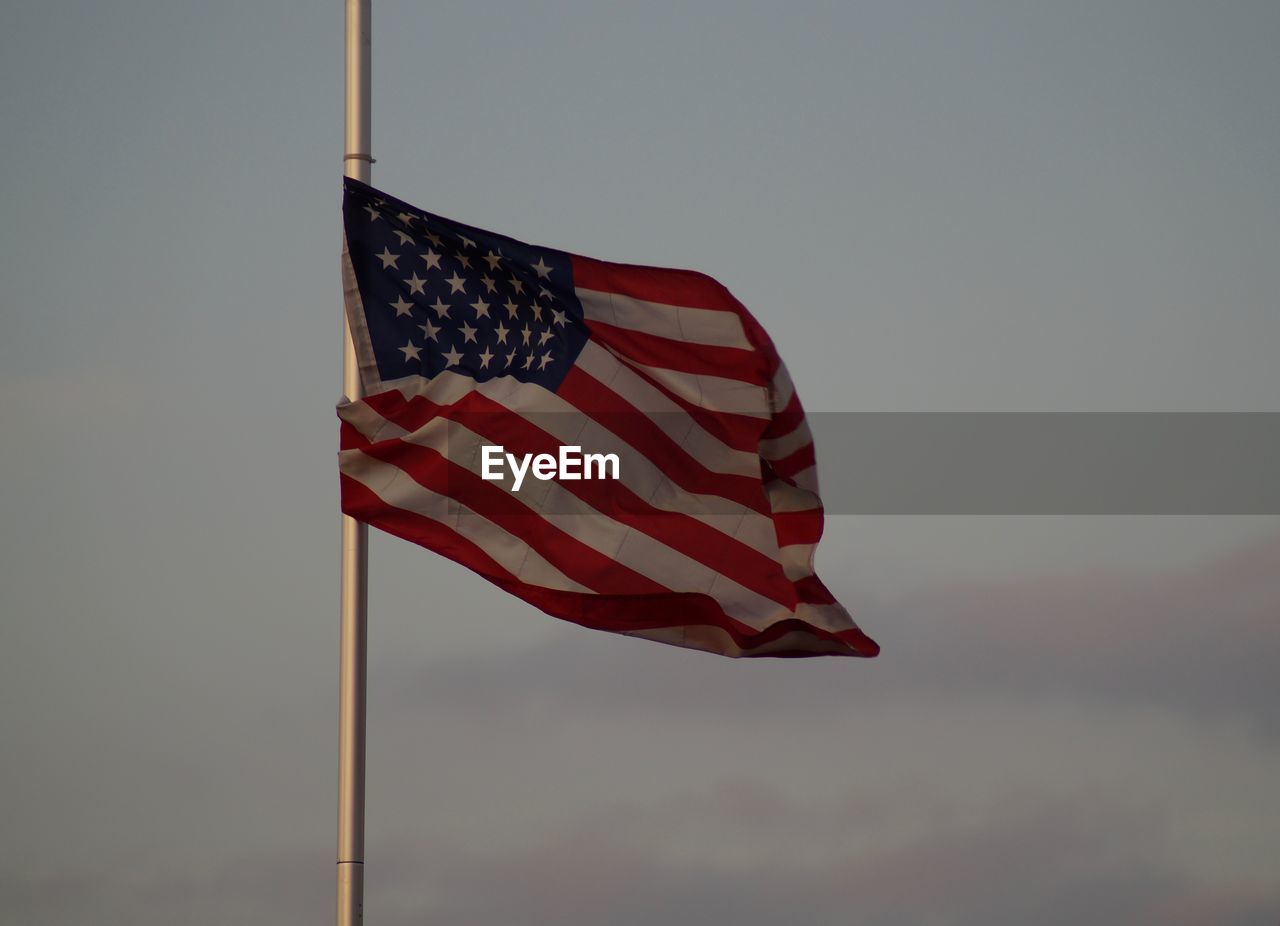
(468, 339)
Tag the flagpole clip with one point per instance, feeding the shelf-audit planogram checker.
(359, 157)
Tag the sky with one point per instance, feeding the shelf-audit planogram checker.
(975, 206)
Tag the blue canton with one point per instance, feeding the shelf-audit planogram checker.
(439, 295)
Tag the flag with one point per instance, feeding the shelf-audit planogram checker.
(619, 446)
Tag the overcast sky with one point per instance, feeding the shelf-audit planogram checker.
(930, 206)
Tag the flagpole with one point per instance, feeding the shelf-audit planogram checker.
(355, 536)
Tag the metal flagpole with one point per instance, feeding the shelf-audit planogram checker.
(355, 536)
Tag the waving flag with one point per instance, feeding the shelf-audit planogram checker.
(480, 354)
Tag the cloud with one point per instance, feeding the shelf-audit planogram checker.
(1204, 640)
(735, 852)
(1057, 865)
(1049, 750)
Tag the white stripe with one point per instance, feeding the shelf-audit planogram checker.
(679, 323)
(797, 560)
(782, 388)
(714, 393)
(827, 616)
(785, 497)
(807, 479)
(372, 426)
(778, 448)
(399, 490)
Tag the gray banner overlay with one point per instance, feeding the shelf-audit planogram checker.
(971, 463)
(994, 463)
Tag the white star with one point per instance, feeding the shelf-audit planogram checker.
(517, 284)
(411, 352)
(481, 307)
(468, 333)
(544, 337)
(466, 242)
(527, 333)
(511, 308)
(452, 358)
(456, 283)
(435, 239)
(374, 214)
(429, 330)
(405, 237)
(493, 258)
(528, 361)
(485, 358)
(502, 333)
(463, 259)
(542, 269)
(441, 307)
(489, 284)
(545, 293)
(558, 316)
(406, 217)
(415, 285)
(508, 357)
(543, 361)
(432, 259)
(402, 307)
(388, 259)
(537, 312)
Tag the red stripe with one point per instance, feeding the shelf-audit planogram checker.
(812, 591)
(349, 437)
(735, 363)
(798, 526)
(739, 432)
(363, 505)
(672, 287)
(786, 420)
(398, 409)
(654, 284)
